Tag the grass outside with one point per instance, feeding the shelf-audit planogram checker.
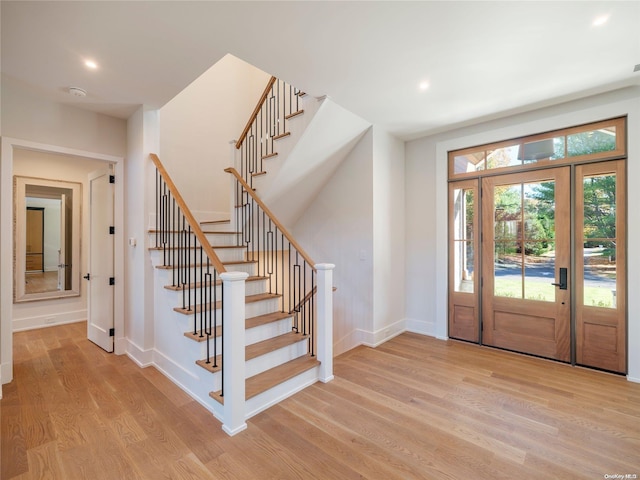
(543, 291)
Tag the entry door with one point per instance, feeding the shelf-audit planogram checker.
(100, 290)
(526, 262)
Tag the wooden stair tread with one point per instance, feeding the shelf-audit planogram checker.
(250, 323)
(215, 222)
(282, 135)
(257, 174)
(248, 299)
(209, 367)
(274, 343)
(265, 319)
(294, 114)
(196, 336)
(179, 288)
(264, 157)
(264, 381)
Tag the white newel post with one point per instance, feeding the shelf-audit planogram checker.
(325, 320)
(233, 356)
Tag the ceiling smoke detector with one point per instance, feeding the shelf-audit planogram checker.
(77, 92)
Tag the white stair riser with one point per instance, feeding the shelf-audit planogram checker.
(195, 271)
(262, 307)
(278, 393)
(277, 357)
(269, 330)
(173, 256)
(213, 238)
(254, 287)
(252, 309)
(254, 335)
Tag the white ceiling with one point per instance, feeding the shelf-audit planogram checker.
(482, 59)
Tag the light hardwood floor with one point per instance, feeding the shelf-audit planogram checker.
(41, 282)
(413, 408)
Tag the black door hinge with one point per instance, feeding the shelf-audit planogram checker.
(112, 179)
(112, 230)
(112, 281)
(112, 332)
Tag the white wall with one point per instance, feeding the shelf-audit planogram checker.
(137, 339)
(426, 166)
(420, 244)
(196, 127)
(338, 228)
(28, 117)
(357, 222)
(388, 238)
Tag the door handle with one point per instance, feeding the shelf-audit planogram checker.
(87, 276)
(563, 279)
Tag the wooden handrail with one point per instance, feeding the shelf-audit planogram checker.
(273, 218)
(195, 226)
(255, 112)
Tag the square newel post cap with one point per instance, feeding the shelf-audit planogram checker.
(234, 276)
(324, 266)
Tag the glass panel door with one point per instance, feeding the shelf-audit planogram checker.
(526, 262)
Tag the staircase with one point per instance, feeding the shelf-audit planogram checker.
(274, 352)
(242, 316)
(235, 319)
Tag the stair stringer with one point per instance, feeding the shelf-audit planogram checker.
(175, 355)
(290, 185)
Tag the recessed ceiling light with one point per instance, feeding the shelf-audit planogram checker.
(423, 86)
(91, 64)
(601, 20)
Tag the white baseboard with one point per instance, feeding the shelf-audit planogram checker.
(142, 358)
(423, 327)
(346, 343)
(120, 345)
(172, 371)
(374, 339)
(41, 321)
(6, 373)
(633, 379)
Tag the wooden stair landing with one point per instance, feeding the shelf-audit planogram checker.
(264, 381)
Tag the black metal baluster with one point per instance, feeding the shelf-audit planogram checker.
(221, 346)
(214, 328)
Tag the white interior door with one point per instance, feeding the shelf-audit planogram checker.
(100, 292)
